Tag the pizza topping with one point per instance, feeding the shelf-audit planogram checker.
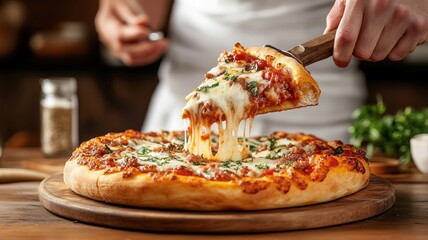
(162, 154)
(233, 91)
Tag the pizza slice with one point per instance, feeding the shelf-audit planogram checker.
(246, 82)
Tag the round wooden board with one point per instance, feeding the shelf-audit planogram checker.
(374, 199)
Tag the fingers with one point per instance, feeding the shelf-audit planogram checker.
(373, 30)
(334, 16)
(347, 33)
(133, 33)
(403, 47)
(141, 53)
(127, 14)
(377, 14)
(416, 33)
(390, 37)
(107, 27)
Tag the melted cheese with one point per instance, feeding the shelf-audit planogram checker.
(148, 153)
(223, 101)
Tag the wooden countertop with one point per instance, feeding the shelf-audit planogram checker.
(23, 217)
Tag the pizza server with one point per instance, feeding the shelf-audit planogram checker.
(311, 51)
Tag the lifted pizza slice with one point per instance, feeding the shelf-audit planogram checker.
(246, 82)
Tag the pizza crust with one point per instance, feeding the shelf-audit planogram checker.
(308, 91)
(194, 193)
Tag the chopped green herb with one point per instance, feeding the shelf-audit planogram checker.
(179, 147)
(205, 88)
(251, 68)
(252, 148)
(160, 161)
(108, 149)
(272, 157)
(289, 163)
(272, 144)
(143, 150)
(226, 164)
(227, 76)
(253, 88)
(338, 150)
(262, 166)
(200, 162)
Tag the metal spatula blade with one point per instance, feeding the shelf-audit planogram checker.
(311, 51)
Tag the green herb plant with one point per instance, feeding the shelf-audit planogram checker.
(389, 133)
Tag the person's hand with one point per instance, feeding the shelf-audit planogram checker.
(373, 30)
(124, 31)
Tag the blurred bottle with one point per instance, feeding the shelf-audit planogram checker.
(59, 116)
(12, 17)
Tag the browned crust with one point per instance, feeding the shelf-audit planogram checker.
(307, 89)
(194, 193)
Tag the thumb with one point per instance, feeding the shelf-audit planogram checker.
(335, 15)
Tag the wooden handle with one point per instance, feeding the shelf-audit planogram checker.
(315, 50)
(8, 175)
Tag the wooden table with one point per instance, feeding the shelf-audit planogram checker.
(23, 217)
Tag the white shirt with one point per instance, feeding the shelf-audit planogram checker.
(201, 30)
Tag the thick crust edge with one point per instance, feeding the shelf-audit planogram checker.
(194, 193)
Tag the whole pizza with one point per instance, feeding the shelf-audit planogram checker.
(209, 166)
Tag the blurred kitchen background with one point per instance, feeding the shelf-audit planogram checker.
(47, 38)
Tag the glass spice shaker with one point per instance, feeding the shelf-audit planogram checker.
(59, 116)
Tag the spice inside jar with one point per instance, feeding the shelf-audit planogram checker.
(59, 130)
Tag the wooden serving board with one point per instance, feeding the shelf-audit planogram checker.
(376, 198)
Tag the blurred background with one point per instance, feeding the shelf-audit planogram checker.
(47, 38)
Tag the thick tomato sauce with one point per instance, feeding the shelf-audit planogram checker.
(279, 80)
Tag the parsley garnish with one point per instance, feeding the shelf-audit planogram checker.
(205, 88)
(262, 166)
(226, 164)
(108, 149)
(143, 150)
(159, 161)
(252, 148)
(202, 162)
(272, 157)
(253, 88)
(227, 76)
(338, 150)
(272, 144)
(251, 68)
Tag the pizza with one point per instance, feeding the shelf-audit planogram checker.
(154, 170)
(213, 165)
(246, 82)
